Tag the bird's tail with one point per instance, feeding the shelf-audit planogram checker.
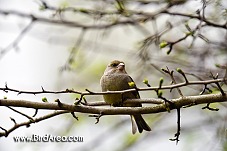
(141, 124)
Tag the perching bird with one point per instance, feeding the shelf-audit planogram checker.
(115, 78)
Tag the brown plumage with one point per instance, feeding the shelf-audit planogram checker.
(115, 78)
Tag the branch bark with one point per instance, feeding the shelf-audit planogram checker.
(177, 103)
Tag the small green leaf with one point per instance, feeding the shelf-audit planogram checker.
(42, 7)
(44, 99)
(161, 80)
(160, 94)
(82, 10)
(190, 33)
(187, 26)
(120, 5)
(145, 81)
(179, 70)
(218, 65)
(163, 44)
(5, 97)
(167, 108)
(131, 84)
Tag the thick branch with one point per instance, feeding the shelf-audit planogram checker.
(178, 103)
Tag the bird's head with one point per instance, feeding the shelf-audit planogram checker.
(116, 67)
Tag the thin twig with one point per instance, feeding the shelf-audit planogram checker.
(7, 89)
(20, 113)
(16, 126)
(17, 39)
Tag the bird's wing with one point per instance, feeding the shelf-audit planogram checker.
(135, 93)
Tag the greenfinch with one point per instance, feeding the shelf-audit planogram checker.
(115, 78)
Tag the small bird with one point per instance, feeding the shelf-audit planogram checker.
(115, 78)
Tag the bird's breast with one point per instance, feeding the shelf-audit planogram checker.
(114, 83)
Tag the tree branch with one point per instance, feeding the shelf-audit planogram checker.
(88, 92)
(27, 124)
(143, 17)
(224, 25)
(178, 103)
(71, 23)
(17, 40)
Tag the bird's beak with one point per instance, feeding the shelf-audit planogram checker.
(121, 66)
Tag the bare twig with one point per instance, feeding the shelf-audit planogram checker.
(204, 89)
(170, 73)
(17, 40)
(178, 128)
(43, 91)
(209, 108)
(97, 117)
(7, 132)
(14, 121)
(73, 114)
(20, 113)
(73, 52)
(36, 111)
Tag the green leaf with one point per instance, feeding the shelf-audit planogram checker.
(131, 84)
(160, 94)
(161, 80)
(179, 70)
(42, 7)
(44, 99)
(163, 44)
(190, 33)
(120, 5)
(82, 10)
(145, 81)
(217, 65)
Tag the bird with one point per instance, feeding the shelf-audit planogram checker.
(115, 78)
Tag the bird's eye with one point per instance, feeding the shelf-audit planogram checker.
(114, 64)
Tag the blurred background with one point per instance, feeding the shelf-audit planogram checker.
(68, 43)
